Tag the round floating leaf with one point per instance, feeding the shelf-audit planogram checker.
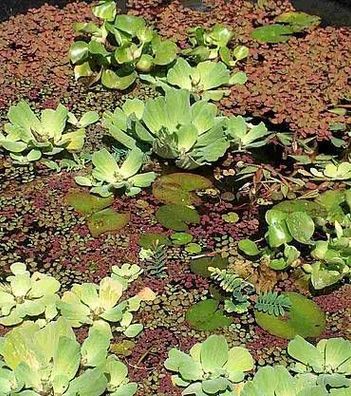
(85, 203)
(300, 226)
(149, 240)
(205, 315)
(107, 220)
(304, 318)
(200, 266)
(231, 217)
(181, 238)
(177, 217)
(298, 20)
(178, 188)
(248, 247)
(193, 248)
(272, 33)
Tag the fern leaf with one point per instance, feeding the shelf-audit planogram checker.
(157, 262)
(229, 282)
(273, 303)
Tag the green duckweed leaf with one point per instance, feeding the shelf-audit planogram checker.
(181, 238)
(150, 240)
(248, 247)
(274, 33)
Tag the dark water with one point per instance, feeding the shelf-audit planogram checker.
(332, 12)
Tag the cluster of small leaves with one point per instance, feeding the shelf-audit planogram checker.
(155, 259)
(273, 303)
(118, 49)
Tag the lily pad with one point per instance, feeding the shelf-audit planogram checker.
(193, 248)
(85, 203)
(178, 188)
(205, 315)
(107, 220)
(181, 238)
(177, 217)
(304, 318)
(230, 217)
(298, 21)
(200, 266)
(274, 33)
(149, 240)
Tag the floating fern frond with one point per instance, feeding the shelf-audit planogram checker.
(228, 281)
(157, 261)
(273, 303)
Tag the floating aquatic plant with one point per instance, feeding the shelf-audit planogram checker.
(108, 176)
(118, 49)
(27, 138)
(211, 367)
(303, 318)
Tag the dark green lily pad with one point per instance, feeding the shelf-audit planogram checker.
(178, 188)
(177, 217)
(304, 318)
(149, 240)
(107, 220)
(200, 266)
(85, 203)
(205, 315)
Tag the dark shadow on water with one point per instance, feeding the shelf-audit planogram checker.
(332, 12)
